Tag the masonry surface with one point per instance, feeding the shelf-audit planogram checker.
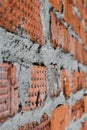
(43, 64)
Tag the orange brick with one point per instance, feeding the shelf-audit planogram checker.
(60, 117)
(84, 57)
(74, 81)
(79, 52)
(85, 103)
(57, 4)
(18, 15)
(59, 34)
(72, 46)
(77, 109)
(8, 92)
(76, 24)
(82, 33)
(65, 83)
(54, 30)
(37, 91)
(68, 11)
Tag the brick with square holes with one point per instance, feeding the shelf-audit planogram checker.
(38, 90)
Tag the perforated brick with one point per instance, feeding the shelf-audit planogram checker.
(59, 34)
(57, 4)
(38, 90)
(8, 94)
(21, 17)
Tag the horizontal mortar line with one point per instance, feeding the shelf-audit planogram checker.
(17, 59)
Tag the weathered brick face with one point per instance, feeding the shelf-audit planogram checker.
(54, 82)
(38, 89)
(8, 91)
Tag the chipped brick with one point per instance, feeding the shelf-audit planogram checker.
(37, 91)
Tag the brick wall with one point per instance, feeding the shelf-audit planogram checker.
(43, 65)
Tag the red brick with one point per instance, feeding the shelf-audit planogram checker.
(85, 103)
(57, 4)
(54, 30)
(8, 92)
(61, 117)
(59, 34)
(82, 80)
(72, 46)
(77, 109)
(84, 57)
(37, 91)
(27, 14)
(79, 52)
(76, 24)
(68, 11)
(74, 81)
(14, 101)
(65, 83)
(82, 33)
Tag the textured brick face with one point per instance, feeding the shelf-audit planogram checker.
(59, 34)
(38, 90)
(8, 94)
(22, 16)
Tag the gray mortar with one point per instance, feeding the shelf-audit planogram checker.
(23, 53)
